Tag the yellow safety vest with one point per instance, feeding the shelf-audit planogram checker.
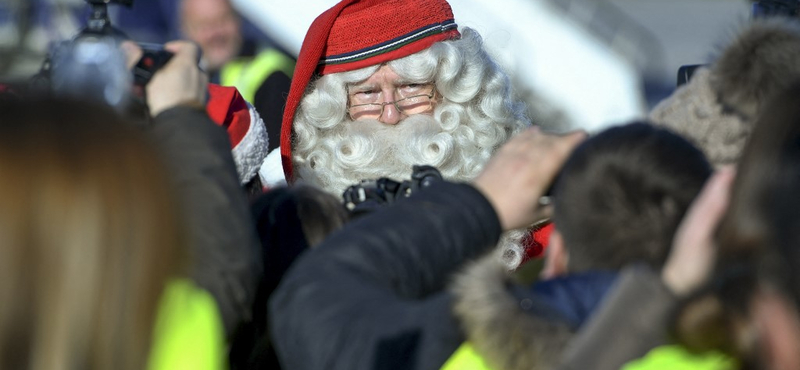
(671, 357)
(247, 74)
(188, 332)
(465, 358)
(675, 357)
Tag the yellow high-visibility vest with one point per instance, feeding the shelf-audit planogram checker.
(247, 74)
(465, 358)
(188, 332)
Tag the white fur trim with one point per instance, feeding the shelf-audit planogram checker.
(252, 150)
(271, 171)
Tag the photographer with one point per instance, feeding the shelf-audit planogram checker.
(102, 232)
(222, 237)
(183, 115)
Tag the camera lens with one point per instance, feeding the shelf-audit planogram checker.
(94, 68)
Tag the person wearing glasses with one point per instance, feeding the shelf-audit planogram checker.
(380, 86)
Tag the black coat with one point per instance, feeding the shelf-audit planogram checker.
(224, 251)
(372, 295)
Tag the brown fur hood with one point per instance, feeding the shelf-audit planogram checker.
(717, 109)
(496, 323)
(760, 62)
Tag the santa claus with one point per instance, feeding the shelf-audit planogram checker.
(381, 85)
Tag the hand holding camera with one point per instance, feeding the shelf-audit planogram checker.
(101, 64)
(179, 82)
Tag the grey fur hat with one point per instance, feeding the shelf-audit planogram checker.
(717, 109)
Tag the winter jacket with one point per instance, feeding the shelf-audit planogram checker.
(188, 332)
(511, 326)
(281, 235)
(222, 240)
(372, 296)
(635, 314)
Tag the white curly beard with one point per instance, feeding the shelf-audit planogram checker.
(368, 149)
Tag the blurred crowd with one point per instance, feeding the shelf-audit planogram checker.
(385, 200)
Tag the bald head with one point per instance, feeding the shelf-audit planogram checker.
(215, 26)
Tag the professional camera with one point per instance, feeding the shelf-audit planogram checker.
(370, 195)
(92, 65)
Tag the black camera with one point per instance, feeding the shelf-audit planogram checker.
(369, 195)
(92, 66)
(686, 72)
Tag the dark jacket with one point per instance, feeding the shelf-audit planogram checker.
(511, 326)
(635, 315)
(372, 296)
(281, 235)
(224, 254)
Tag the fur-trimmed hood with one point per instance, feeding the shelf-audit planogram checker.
(717, 109)
(515, 327)
(762, 60)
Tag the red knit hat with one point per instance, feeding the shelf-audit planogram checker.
(246, 131)
(359, 33)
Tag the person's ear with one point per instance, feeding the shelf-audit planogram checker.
(556, 258)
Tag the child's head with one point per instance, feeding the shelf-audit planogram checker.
(620, 197)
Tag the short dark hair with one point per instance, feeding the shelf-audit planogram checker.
(320, 212)
(621, 194)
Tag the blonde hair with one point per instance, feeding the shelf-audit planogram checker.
(89, 234)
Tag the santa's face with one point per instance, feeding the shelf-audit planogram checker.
(366, 149)
(388, 98)
(389, 126)
(447, 107)
(467, 114)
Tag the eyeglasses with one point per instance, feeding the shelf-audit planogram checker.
(415, 104)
